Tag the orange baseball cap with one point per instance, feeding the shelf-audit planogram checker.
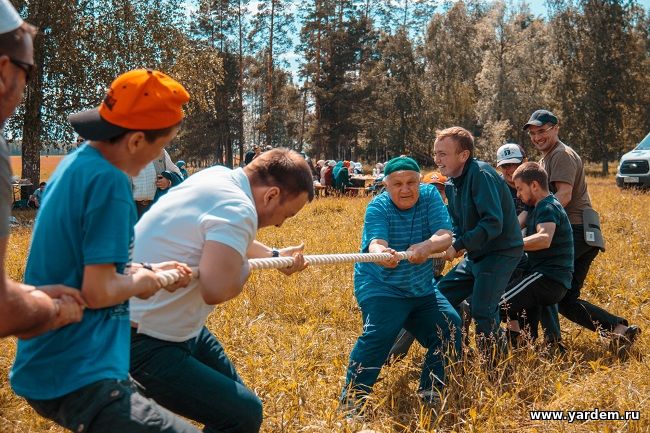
(434, 177)
(138, 100)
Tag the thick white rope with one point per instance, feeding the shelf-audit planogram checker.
(167, 278)
(330, 259)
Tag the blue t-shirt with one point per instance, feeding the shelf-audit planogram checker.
(86, 218)
(401, 229)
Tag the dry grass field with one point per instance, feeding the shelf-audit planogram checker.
(290, 338)
(48, 164)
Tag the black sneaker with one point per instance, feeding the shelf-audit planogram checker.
(621, 344)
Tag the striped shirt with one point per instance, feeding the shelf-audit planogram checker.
(400, 229)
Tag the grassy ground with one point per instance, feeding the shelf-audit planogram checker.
(290, 339)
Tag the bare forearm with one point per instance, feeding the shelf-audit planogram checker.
(22, 313)
(258, 250)
(112, 290)
(536, 242)
(440, 241)
(563, 197)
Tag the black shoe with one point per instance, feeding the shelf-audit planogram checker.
(621, 344)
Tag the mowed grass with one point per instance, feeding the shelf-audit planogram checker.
(290, 338)
(48, 164)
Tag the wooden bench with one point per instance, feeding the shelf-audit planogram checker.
(319, 190)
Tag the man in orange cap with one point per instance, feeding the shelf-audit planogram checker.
(78, 375)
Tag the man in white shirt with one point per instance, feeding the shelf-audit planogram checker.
(150, 180)
(210, 221)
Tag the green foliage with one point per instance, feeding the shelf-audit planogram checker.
(378, 78)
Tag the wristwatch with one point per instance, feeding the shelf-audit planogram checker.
(275, 253)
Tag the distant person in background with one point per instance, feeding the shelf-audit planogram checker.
(328, 174)
(378, 171)
(153, 181)
(181, 166)
(567, 182)
(251, 154)
(37, 196)
(342, 178)
(314, 171)
(25, 310)
(320, 164)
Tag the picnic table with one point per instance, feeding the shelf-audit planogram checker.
(362, 181)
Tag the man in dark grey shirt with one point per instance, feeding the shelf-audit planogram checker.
(25, 310)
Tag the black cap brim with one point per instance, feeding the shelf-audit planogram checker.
(91, 126)
(532, 123)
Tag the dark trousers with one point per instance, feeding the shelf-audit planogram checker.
(110, 406)
(485, 281)
(195, 379)
(142, 206)
(578, 310)
(526, 294)
(430, 319)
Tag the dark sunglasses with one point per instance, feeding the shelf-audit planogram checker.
(29, 69)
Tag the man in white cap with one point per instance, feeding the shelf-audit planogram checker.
(24, 310)
(510, 157)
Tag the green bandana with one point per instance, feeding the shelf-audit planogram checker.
(399, 164)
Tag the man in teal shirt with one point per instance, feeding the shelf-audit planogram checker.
(548, 245)
(485, 226)
(77, 375)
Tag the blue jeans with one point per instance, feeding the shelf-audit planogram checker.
(195, 379)
(485, 281)
(431, 319)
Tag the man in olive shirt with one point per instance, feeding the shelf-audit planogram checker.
(567, 181)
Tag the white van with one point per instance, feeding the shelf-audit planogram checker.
(634, 169)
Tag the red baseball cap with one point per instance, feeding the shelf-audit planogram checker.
(138, 100)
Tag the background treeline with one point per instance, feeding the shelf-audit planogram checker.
(375, 78)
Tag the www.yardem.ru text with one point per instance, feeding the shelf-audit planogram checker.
(584, 415)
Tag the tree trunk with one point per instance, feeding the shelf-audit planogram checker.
(33, 125)
(304, 113)
(240, 91)
(605, 166)
(269, 85)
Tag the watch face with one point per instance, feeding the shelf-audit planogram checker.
(275, 253)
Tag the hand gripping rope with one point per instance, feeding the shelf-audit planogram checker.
(168, 278)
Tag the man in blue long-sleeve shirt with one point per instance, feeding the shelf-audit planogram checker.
(485, 226)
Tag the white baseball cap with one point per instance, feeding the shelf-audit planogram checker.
(9, 18)
(509, 153)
